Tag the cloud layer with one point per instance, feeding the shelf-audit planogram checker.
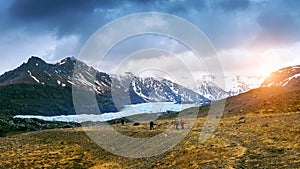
(240, 29)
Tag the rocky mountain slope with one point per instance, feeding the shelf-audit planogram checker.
(279, 93)
(285, 77)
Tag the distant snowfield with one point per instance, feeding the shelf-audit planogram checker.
(128, 110)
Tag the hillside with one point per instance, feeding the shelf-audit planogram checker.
(11, 126)
(279, 93)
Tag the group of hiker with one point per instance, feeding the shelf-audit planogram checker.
(176, 123)
(117, 121)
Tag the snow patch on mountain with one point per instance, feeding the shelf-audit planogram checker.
(34, 78)
(286, 81)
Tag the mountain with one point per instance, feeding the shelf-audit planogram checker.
(39, 88)
(285, 77)
(238, 84)
(279, 93)
(150, 89)
(235, 84)
(210, 90)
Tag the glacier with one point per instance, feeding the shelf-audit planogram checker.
(127, 110)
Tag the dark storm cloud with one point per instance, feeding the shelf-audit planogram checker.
(64, 16)
(33, 10)
(83, 17)
(78, 16)
(279, 24)
(227, 23)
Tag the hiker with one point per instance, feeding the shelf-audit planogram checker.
(116, 121)
(176, 123)
(182, 122)
(152, 125)
(122, 121)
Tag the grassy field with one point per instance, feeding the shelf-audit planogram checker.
(252, 140)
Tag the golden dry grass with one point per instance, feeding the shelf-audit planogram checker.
(266, 140)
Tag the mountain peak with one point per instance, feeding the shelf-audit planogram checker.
(68, 60)
(283, 77)
(34, 60)
(71, 59)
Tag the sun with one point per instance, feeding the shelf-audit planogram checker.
(266, 63)
(264, 71)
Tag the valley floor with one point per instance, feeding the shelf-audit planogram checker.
(241, 141)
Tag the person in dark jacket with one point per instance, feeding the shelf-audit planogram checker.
(151, 125)
(176, 123)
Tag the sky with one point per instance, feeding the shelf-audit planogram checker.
(250, 36)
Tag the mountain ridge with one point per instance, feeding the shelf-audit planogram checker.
(40, 88)
(283, 77)
(50, 86)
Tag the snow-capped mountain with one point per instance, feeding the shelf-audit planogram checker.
(37, 71)
(238, 84)
(150, 89)
(210, 90)
(235, 84)
(285, 77)
(37, 87)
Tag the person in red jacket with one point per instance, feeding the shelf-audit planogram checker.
(182, 122)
